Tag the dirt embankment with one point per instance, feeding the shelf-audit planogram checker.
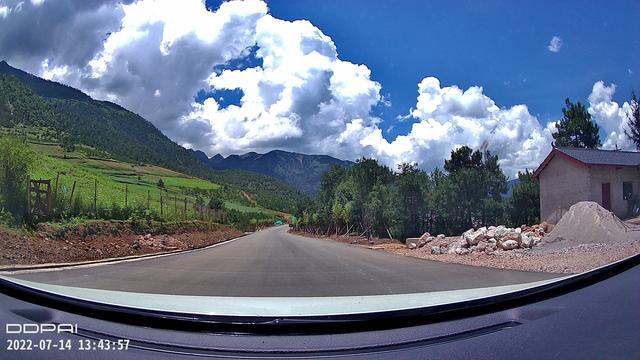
(105, 239)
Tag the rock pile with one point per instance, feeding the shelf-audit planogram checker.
(165, 242)
(484, 239)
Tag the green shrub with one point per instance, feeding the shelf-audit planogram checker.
(15, 161)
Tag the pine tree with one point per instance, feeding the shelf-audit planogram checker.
(576, 128)
(634, 121)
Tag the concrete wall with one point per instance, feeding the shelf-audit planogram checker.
(562, 184)
(615, 176)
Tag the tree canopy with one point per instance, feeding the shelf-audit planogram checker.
(576, 128)
(524, 204)
(633, 121)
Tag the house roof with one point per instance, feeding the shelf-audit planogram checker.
(592, 157)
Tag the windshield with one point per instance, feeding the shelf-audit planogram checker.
(300, 158)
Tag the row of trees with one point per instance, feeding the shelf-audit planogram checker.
(372, 200)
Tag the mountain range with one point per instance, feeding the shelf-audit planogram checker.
(304, 172)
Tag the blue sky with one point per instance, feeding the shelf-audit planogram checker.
(263, 81)
(499, 45)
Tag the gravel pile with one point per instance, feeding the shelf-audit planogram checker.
(588, 223)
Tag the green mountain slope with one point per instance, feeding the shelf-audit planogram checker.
(114, 132)
(103, 125)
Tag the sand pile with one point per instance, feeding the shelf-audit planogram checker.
(587, 223)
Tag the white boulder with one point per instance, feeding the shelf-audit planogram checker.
(460, 244)
(500, 231)
(512, 234)
(526, 241)
(481, 246)
(509, 244)
(475, 237)
(421, 242)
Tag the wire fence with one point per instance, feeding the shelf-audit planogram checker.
(67, 197)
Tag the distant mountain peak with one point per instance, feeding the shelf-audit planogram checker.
(300, 170)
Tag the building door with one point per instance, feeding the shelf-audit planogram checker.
(606, 196)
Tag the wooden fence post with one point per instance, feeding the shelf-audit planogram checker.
(73, 189)
(126, 196)
(148, 200)
(55, 194)
(48, 199)
(161, 206)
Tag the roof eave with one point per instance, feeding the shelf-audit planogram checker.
(551, 155)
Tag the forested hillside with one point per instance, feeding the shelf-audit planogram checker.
(266, 190)
(71, 117)
(42, 87)
(103, 125)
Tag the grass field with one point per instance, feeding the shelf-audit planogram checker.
(116, 182)
(244, 208)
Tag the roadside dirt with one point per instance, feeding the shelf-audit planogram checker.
(567, 260)
(103, 240)
(350, 239)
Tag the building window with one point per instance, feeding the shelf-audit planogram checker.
(627, 190)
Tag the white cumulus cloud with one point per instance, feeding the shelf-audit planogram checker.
(555, 44)
(299, 99)
(449, 118)
(610, 116)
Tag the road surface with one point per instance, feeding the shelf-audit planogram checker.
(273, 262)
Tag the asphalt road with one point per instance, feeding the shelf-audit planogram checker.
(273, 262)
